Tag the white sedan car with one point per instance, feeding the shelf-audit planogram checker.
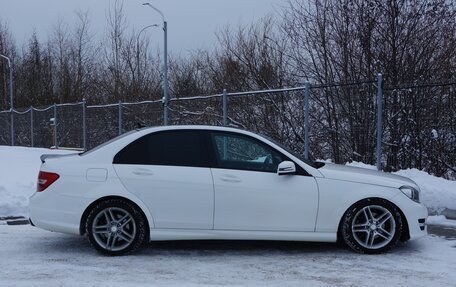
(204, 182)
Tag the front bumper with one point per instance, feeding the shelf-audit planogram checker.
(415, 214)
(417, 222)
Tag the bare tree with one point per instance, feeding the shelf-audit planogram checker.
(112, 76)
(344, 41)
(83, 56)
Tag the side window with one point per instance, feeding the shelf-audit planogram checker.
(171, 148)
(134, 153)
(234, 151)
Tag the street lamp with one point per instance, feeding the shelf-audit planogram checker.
(10, 68)
(137, 49)
(165, 65)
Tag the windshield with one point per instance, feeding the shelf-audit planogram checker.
(301, 157)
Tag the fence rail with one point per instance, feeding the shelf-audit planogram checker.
(362, 121)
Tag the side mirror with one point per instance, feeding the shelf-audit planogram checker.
(286, 167)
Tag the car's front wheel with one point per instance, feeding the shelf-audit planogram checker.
(116, 227)
(372, 226)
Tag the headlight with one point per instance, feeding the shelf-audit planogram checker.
(411, 193)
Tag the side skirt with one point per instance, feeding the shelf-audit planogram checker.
(195, 234)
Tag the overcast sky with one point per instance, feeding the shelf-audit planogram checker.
(191, 23)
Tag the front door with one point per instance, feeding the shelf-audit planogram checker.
(250, 195)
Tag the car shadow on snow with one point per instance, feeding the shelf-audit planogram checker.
(243, 246)
(207, 247)
(80, 245)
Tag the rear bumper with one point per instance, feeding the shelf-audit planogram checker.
(54, 212)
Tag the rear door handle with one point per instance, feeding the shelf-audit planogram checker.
(230, 178)
(142, 171)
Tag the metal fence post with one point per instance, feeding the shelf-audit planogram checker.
(225, 107)
(84, 124)
(306, 119)
(32, 129)
(225, 122)
(12, 126)
(55, 127)
(120, 118)
(379, 121)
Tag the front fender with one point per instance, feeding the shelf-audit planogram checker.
(336, 196)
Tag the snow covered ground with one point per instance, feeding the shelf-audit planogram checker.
(34, 257)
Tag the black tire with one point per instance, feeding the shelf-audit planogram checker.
(352, 234)
(135, 227)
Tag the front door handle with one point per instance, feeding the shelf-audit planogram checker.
(230, 178)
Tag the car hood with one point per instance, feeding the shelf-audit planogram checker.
(363, 175)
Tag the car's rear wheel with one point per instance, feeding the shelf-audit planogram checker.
(372, 226)
(116, 227)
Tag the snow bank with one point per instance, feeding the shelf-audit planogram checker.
(436, 193)
(19, 168)
(441, 220)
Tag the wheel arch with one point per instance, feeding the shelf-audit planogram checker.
(86, 212)
(405, 231)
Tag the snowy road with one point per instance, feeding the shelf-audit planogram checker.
(33, 257)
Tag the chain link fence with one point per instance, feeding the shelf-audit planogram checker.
(418, 123)
(420, 128)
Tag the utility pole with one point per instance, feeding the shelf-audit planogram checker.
(165, 65)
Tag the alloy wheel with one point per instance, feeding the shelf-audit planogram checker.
(114, 229)
(373, 227)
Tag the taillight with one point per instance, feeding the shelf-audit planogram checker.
(45, 179)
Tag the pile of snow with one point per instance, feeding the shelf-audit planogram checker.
(441, 220)
(19, 167)
(436, 193)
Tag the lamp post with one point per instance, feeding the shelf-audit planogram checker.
(165, 65)
(137, 49)
(10, 68)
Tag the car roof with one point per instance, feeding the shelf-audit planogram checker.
(193, 127)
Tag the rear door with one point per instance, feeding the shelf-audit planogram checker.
(170, 172)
